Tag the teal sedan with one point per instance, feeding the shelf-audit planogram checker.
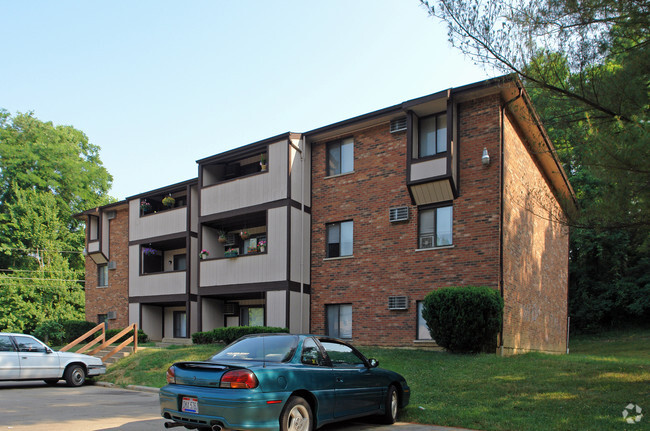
(270, 382)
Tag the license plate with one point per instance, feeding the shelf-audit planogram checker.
(190, 405)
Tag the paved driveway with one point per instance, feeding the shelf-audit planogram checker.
(36, 406)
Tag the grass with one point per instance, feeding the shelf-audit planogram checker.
(587, 389)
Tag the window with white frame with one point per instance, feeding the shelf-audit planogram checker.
(102, 275)
(422, 329)
(432, 135)
(340, 239)
(340, 157)
(339, 320)
(435, 227)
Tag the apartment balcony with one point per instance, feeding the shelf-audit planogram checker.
(162, 212)
(245, 249)
(244, 178)
(158, 268)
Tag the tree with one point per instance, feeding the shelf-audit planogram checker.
(591, 59)
(47, 174)
(586, 66)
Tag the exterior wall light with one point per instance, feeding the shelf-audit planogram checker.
(486, 157)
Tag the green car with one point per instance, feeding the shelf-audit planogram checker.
(284, 382)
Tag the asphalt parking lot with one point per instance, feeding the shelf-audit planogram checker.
(36, 406)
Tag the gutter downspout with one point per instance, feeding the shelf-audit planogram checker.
(501, 195)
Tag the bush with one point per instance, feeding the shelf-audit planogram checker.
(464, 319)
(231, 333)
(50, 332)
(74, 329)
(110, 333)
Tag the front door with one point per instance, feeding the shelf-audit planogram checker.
(9, 362)
(35, 361)
(180, 324)
(356, 388)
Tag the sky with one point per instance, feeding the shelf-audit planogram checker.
(158, 84)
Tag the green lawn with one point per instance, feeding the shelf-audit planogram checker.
(586, 390)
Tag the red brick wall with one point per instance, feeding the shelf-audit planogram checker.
(536, 255)
(115, 297)
(385, 262)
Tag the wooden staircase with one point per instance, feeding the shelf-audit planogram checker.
(104, 350)
(126, 351)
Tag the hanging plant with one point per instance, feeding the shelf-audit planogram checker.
(148, 251)
(244, 235)
(168, 201)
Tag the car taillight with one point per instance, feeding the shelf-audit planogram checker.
(239, 379)
(171, 374)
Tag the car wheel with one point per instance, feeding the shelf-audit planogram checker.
(75, 375)
(296, 415)
(390, 406)
(51, 382)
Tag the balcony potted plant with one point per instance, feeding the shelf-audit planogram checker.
(204, 254)
(232, 252)
(222, 236)
(263, 162)
(244, 235)
(145, 206)
(168, 201)
(262, 246)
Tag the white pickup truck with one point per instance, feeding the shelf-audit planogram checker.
(23, 357)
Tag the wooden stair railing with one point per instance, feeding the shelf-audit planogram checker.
(132, 339)
(100, 338)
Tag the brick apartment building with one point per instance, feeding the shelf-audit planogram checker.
(360, 220)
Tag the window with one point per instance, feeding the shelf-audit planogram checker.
(102, 275)
(340, 157)
(5, 344)
(423, 330)
(251, 316)
(102, 318)
(28, 344)
(435, 227)
(311, 354)
(342, 356)
(339, 321)
(339, 239)
(432, 135)
(180, 322)
(180, 262)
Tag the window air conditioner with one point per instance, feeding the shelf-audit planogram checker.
(112, 264)
(398, 125)
(426, 241)
(398, 214)
(398, 303)
(111, 315)
(230, 308)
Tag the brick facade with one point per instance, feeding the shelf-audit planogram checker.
(114, 297)
(386, 261)
(536, 254)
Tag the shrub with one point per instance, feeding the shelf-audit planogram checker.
(229, 334)
(50, 332)
(142, 337)
(464, 319)
(74, 329)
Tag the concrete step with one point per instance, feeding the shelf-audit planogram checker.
(126, 351)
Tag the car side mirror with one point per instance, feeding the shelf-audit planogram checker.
(48, 350)
(373, 363)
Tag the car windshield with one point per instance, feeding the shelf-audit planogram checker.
(275, 348)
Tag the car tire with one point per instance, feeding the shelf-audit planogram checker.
(296, 415)
(390, 406)
(51, 382)
(75, 375)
